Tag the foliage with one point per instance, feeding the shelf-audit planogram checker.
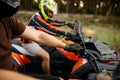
(104, 7)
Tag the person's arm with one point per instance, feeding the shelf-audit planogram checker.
(42, 38)
(49, 40)
(37, 22)
(61, 23)
(57, 23)
(10, 75)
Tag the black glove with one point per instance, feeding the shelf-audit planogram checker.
(73, 47)
(75, 39)
(71, 25)
(69, 34)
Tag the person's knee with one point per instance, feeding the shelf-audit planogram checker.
(47, 58)
(44, 55)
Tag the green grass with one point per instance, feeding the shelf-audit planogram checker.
(105, 34)
(112, 38)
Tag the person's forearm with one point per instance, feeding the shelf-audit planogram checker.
(42, 38)
(49, 40)
(10, 75)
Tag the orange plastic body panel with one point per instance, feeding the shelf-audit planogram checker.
(69, 55)
(21, 59)
(79, 63)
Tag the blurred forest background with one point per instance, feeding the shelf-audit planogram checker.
(100, 18)
(104, 7)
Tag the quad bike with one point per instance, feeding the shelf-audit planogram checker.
(75, 65)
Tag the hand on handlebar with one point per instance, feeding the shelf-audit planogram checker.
(69, 34)
(73, 37)
(73, 47)
(71, 25)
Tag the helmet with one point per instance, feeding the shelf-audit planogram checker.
(12, 3)
(9, 7)
(48, 5)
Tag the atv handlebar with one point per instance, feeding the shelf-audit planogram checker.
(92, 56)
(71, 25)
(76, 34)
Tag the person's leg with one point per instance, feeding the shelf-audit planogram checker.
(99, 76)
(45, 61)
(11, 75)
(34, 49)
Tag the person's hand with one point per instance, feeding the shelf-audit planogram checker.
(71, 25)
(73, 37)
(70, 34)
(73, 47)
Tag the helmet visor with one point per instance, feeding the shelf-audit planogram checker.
(13, 3)
(48, 12)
